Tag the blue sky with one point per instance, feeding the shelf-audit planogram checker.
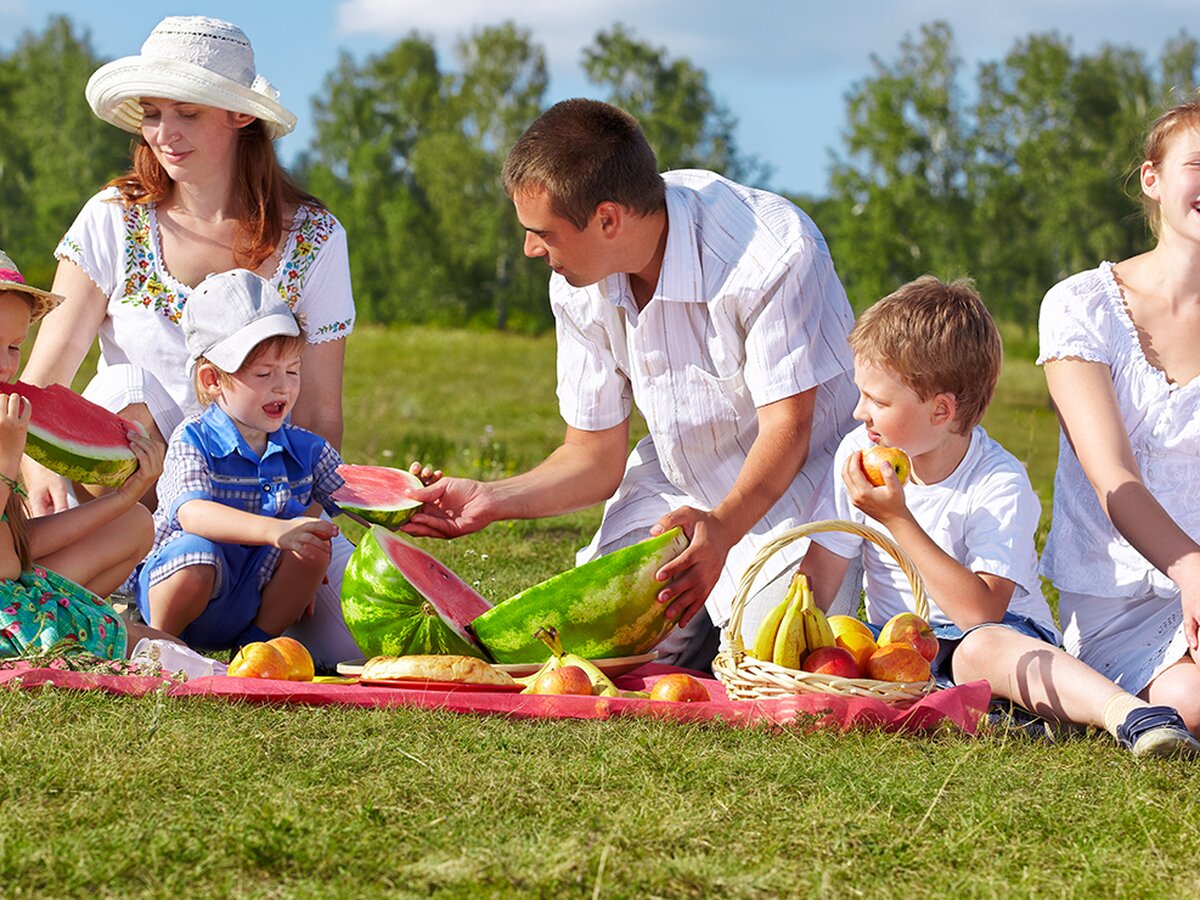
(783, 68)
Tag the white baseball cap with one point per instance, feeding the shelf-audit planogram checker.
(231, 313)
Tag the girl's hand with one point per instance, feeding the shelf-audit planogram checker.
(427, 475)
(884, 503)
(15, 411)
(150, 454)
(306, 538)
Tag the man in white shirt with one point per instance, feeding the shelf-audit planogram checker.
(716, 309)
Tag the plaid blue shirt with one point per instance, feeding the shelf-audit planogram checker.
(208, 459)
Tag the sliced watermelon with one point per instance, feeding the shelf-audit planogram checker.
(76, 438)
(398, 600)
(601, 609)
(378, 494)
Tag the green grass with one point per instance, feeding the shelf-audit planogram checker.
(155, 797)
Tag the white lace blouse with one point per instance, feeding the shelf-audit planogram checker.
(1085, 317)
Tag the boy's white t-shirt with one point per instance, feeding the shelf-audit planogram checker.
(984, 514)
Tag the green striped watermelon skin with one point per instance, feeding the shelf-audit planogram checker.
(602, 609)
(387, 615)
(76, 438)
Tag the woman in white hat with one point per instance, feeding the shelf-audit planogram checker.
(205, 194)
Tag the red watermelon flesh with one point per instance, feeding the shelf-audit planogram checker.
(378, 494)
(76, 438)
(398, 600)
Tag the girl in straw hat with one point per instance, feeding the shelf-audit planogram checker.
(55, 569)
(205, 194)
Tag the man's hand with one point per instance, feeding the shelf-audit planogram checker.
(695, 572)
(453, 507)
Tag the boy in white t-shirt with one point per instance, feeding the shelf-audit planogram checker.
(926, 362)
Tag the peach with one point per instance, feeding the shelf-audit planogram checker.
(859, 646)
(259, 660)
(296, 655)
(679, 687)
(564, 680)
(845, 624)
(909, 628)
(831, 661)
(898, 662)
(877, 454)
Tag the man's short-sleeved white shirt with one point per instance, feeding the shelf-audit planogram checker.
(984, 515)
(748, 310)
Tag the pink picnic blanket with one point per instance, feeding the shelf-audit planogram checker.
(962, 706)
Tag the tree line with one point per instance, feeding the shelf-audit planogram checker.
(1016, 174)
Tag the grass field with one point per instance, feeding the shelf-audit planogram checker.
(158, 798)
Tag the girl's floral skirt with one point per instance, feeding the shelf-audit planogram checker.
(42, 608)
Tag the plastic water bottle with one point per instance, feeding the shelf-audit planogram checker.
(176, 658)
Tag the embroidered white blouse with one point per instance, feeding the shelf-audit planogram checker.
(1085, 317)
(748, 310)
(119, 249)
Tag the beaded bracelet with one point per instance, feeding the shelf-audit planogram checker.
(13, 485)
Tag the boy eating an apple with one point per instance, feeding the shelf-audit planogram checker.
(926, 362)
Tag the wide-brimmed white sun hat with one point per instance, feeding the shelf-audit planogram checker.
(190, 59)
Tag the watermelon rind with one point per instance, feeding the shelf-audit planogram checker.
(389, 511)
(388, 615)
(605, 608)
(107, 464)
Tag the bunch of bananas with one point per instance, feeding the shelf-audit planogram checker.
(793, 629)
(602, 685)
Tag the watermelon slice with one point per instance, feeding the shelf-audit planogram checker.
(378, 494)
(398, 600)
(76, 438)
(602, 609)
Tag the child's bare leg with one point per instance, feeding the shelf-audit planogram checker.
(290, 591)
(1040, 677)
(1179, 686)
(179, 599)
(103, 561)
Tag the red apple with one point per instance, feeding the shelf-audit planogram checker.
(909, 628)
(873, 456)
(680, 687)
(564, 680)
(259, 660)
(832, 661)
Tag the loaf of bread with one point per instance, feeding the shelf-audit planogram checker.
(462, 669)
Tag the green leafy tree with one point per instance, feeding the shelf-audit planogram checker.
(685, 123)
(902, 184)
(60, 154)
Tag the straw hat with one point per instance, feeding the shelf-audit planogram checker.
(190, 59)
(12, 280)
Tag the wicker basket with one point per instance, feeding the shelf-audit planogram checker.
(747, 678)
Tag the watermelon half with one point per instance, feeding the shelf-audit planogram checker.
(602, 609)
(76, 438)
(398, 600)
(378, 494)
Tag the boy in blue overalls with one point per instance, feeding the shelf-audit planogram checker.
(239, 547)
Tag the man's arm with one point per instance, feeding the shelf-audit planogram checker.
(586, 469)
(774, 460)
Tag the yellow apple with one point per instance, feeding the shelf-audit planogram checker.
(873, 456)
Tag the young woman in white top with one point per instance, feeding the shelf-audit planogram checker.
(1121, 350)
(205, 194)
